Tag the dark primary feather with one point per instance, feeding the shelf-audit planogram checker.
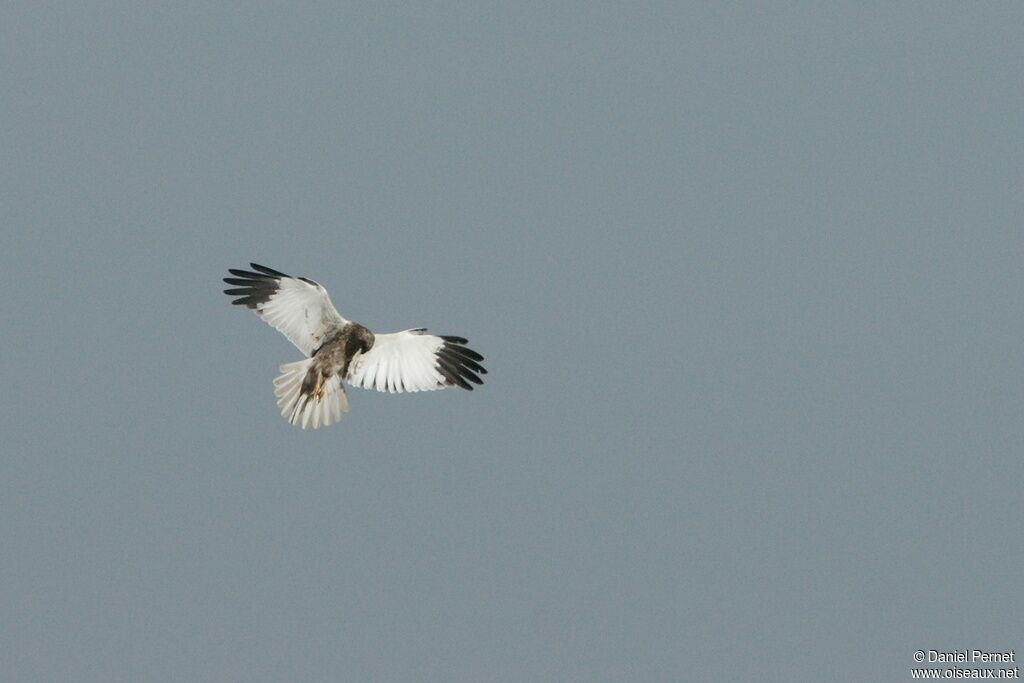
(268, 271)
(249, 275)
(451, 374)
(471, 364)
(456, 365)
(253, 288)
(467, 353)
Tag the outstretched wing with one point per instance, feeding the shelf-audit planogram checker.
(415, 361)
(298, 307)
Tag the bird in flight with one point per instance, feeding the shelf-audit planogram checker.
(311, 392)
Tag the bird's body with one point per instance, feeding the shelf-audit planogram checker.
(337, 352)
(311, 391)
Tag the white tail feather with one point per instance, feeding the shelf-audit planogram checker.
(305, 410)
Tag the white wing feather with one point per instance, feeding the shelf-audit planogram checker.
(399, 362)
(302, 312)
(299, 308)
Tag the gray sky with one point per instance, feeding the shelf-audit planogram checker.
(748, 279)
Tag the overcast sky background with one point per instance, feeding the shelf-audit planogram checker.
(748, 280)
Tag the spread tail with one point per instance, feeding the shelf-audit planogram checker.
(307, 398)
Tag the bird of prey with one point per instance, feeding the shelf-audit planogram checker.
(310, 392)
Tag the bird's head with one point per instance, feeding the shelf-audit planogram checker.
(365, 338)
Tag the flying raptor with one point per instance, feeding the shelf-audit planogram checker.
(310, 392)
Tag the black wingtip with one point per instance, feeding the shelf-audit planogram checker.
(454, 375)
(465, 352)
(248, 274)
(253, 288)
(267, 271)
(458, 364)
